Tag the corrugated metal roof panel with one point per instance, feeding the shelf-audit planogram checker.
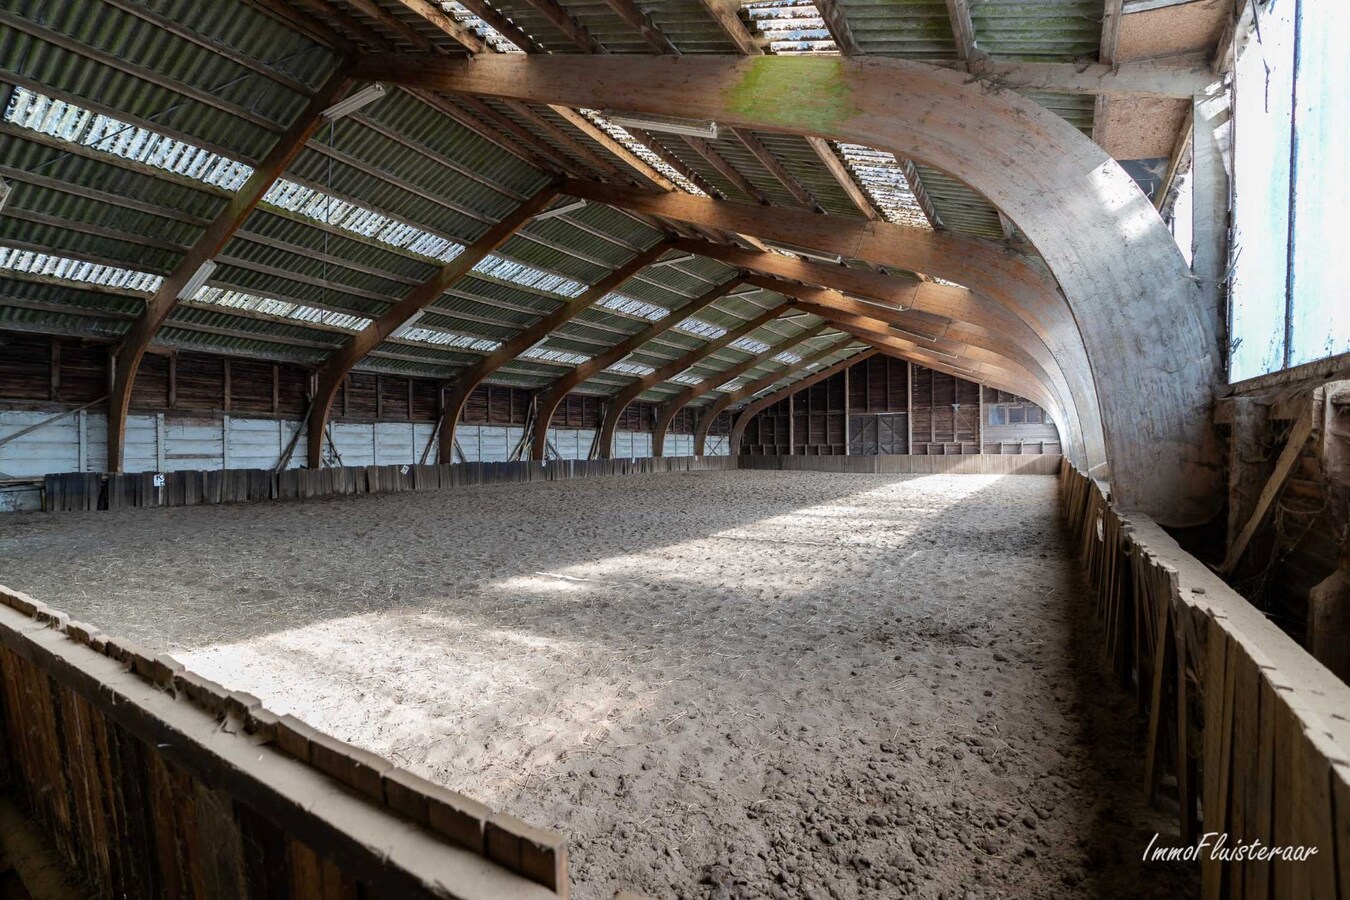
(914, 29)
(1043, 30)
(959, 207)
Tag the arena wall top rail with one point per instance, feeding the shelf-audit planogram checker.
(90, 491)
(151, 781)
(1254, 729)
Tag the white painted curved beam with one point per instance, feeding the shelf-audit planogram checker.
(1018, 281)
(1151, 348)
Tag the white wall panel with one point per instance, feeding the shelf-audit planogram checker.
(165, 442)
(96, 442)
(355, 443)
(298, 460)
(51, 448)
(421, 434)
(140, 450)
(679, 445)
(394, 444)
(572, 443)
(254, 443)
(192, 444)
(717, 445)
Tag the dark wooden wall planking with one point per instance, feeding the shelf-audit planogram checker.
(945, 413)
(38, 370)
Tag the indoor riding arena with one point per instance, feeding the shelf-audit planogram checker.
(651, 449)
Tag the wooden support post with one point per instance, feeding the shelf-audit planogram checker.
(1293, 448)
(127, 359)
(979, 423)
(335, 371)
(846, 423)
(909, 404)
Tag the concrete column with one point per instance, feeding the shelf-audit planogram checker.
(1211, 194)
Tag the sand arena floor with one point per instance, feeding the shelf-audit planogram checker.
(725, 684)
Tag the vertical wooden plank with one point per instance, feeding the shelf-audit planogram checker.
(909, 407)
(1282, 831)
(1316, 876)
(1216, 667)
(163, 826)
(1185, 757)
(306, 872)
(1340, 802)
(173, 380)
(54, 393)
(220, 844)
(225, 398)
(266, 866)
(1246, 722)
(1163, 652)
(1257, 816)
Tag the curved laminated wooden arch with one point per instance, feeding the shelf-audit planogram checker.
(979, 321)
(1151, 348)
(626, 395)
(977, 364)
(709, 415)
(959, 338)
(548, 399)
(672, 407)
(990, 269)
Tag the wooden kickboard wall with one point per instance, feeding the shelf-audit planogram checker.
(1255, 731)
(153, 782)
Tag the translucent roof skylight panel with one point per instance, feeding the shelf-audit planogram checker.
(69, 122)
(633, 307)
(882, 176)
(793, 27)
(732, 385)
(694, 325)
(489, 35)
(68, 269)
(323, 207)
(445, 338)
(504, 269)
(558, 356)
(629, 368)
(642, 151)
(684, 378)
(788, 358)
(749, 345)
(281, 309)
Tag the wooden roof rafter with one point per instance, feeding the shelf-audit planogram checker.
(751, 388)
(625, 396)
(553, 395)
(331, 376)
(457, 392)
(672, 407)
